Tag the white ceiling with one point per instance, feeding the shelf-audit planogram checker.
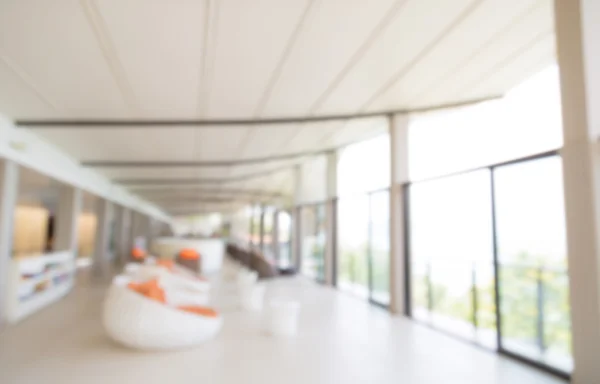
(200, 59)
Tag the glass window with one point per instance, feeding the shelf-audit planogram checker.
(451, 255)
(364, 166)
(267, 240)
(534, 294)
(352, 246)
(313, 241)
(379, 246)
(284, 237)
(524, 122)
(255, 226)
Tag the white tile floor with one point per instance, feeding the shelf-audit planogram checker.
(341, 340)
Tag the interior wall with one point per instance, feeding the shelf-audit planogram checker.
(30, 230)
(314, 176)
(86, 228)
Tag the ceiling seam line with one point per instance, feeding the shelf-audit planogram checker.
(446, 76)
(116, 69)
(210, 43)
(423, 53)
(266, 95)
(392, 13)
(27, 80)
(274, 78)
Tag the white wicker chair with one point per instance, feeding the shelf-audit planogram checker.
(141, 323)
(166, 278)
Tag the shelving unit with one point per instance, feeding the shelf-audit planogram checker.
(36, 282)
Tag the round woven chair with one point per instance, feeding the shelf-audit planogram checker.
(169, 279)
(137, 322)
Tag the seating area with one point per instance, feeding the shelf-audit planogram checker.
(159, 306)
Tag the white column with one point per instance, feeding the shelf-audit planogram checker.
(9, 190)
(330, 218)
(102, 247)
(67, 217)
(296, 224)
(150, 230)
(275, 234)
(577, 31)
(123, 234)
(137, 227)
(398, 126)
(261, 228)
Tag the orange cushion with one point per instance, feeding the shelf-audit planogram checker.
(189, 254)
(150, 289)
(202, 311)
(168, 264)
(138, 253)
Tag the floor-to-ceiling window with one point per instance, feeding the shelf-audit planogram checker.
(487, 255)
(352, 245)
(255, 225)
(268, 249)
(363, 255)
(284, 237)
(533, 282)
(363, 245)
(451, 255)
(379, 246)
(313, 241)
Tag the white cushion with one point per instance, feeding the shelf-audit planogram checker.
(138, 322)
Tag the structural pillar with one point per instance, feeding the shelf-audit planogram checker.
(67, 217)
(9, 190)
(275, 235)
(398, 128)
(261, 229)
(331, 219)
(102, 255)
(296, 222)
(150, 232)
(577, 31)
(123, 234)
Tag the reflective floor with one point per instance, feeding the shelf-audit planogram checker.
(341, 340)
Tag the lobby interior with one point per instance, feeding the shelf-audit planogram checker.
(425, 172)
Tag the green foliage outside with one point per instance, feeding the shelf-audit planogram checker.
(354, 268)
(521, 284)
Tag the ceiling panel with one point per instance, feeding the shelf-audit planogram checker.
(251, 39)
(18, 98)
(138, 144)
(357, 130)
(161, 55)
(267, 140)
(518, 69)
(272, 166)
(192, 172)
(310, 137)
(330, 40)
(170, 172)
(514, 41)
(415, 28)
(57, 49)
(220, 143)
(489, 19)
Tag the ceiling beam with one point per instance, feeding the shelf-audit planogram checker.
(210, 200)
(199, 164)
(152, 193)
(200, 181)
(234, 123)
